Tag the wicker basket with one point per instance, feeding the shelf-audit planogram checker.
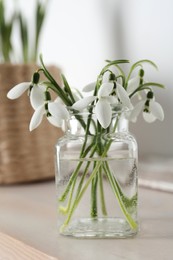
(24, 156)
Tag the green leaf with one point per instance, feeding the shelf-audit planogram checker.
(147, 86)
(139, 64)
(67, 88)
(24, 37)
(113, 63)
(55, 87)
(106, 68)
(39, 19)
(5, 34)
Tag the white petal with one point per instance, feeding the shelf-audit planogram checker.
(133, 84)
(37, 118)
(37, 96)
(58, 100)
(83, 103)
(112, 100)
(103, 113)
(105, 90)
(55, 121)
(149, 117)
(157, 110)
(136, 111)
(18, 90)
(90, 87)
(57, 110)
(123, 96)
(76, 94)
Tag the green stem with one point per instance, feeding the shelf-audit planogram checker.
(102, 197)
(74, 174)
(116, 190)
(80, 184)
(77, 200)
(72, 179)
(65, 210)
(94, 195)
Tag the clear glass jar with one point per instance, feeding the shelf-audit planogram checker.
(96, 178)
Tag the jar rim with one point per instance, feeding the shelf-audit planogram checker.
(89, 110)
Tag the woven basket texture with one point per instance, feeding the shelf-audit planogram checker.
(24, 156)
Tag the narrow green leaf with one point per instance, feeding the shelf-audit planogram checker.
(152, 84)
(147, 86)
(114, 63)
(139, 64)
(39, 19)
(67, 88)
(56, 87)
(24, 37)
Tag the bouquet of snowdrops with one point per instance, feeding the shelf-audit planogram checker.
(111, 89)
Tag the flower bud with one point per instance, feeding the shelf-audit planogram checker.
(141, 73)
(150, 95)
(112, 77)
(47, 95)
(35, 78)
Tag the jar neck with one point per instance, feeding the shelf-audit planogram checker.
(77, 124)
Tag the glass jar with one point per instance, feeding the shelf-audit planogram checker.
(96, 177)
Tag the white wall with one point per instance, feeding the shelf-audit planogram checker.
(80, 35)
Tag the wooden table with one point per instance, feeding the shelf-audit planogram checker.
(28, 214)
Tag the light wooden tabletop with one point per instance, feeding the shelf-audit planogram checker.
(28, 214)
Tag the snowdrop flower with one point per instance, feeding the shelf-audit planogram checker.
(104, 100)
(152, 110)
(121, 92)
(36, 91)
(41, 102)
(135, 82)
(103, 108)
(54, 111)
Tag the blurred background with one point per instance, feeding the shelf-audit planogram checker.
(79, 35)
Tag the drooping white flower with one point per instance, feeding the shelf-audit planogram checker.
(41, 101)
(104, 100)
(150, 114)
(36, 93)
(54, 111)
(103, 109)
(155, 112)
